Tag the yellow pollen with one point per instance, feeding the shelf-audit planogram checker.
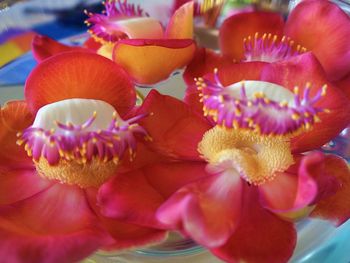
(256, 158)
(78, 172)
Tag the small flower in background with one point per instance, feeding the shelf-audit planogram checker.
(78, 130)
(137, 42)
(235, 180)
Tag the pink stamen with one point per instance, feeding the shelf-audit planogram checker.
(75, 142)
(260, 113)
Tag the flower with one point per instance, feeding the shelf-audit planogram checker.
(78, 130)
(132, 39)
(317, 26)
(234, 186)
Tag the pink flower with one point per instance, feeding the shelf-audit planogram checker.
(77, 130)
(132, 39)
(233, 181)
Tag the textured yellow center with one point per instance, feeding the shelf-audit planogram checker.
(91, 174)
(255, 157)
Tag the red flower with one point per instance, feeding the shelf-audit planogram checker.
(48, 206)
(134, 40)
(235, 189)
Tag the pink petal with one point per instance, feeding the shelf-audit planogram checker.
(260, 237)
(344, 85)
(288, 191)
(55, 225)
(130, 198)
(333, 177)
(297, 72)
(44, 47)
(17, 185)
(241, 25)
(323, 28)
(168, 177)
(125, 235)
(207, 210)
(175, 129)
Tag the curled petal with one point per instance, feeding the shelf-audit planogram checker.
(175, 129)
(129, 197)
(124, 235)
(79, 75)
(149, 61)
(297, 72)
(323, 28)
(181, 23)
(44, 47)
(245, 24)
(260, 236)
(36, 229)
(207, 210)
(14, 117)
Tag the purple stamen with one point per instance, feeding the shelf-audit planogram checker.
(259, 113)
(75, 142)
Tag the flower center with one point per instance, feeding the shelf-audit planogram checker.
(80, 141)
(256, 158)
(270, 48)
(264, 107)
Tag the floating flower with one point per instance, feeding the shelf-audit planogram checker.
(126, 34)
(235, 180)
(75, 132)
(317, 26)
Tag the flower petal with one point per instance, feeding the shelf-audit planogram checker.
(207, 210)
(17, 185)
(174, 128)
(333, 177)
(92, 44)
(181, 23)
(288, 191)
(55, 225)
(241, 25)
(79, 75)
(44, 47)
(344, 85)
(323, 28)
(297, 72)
(14, 117)
(149, 61)
(125, 235)
(260, 236)
(140, 27)
(130, 198)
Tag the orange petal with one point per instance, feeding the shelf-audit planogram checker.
(241, 25)
(149, 61)
(181, 23)
(79, 75)
(323, 28)
(14, 117)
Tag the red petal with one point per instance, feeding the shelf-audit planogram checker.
(323, 28)
(241, 25)
(138, 205)
(297, 72)
(344, 85)
(260, 236)
(14, 117)
(333, 176)
(181, 23)
(288, 192)
(55, 225)
(149, 61)
(79, 75)
(17, 185)
(174, 128)
(167, 178)
(207, 210)
(125, 235)
(44, 47)
(90, 43)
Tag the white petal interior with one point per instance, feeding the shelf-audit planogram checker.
(272, 91)
(76, 111)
